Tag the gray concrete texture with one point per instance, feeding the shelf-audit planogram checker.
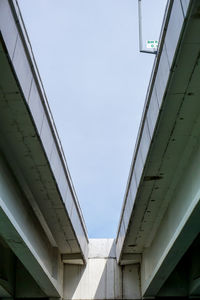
(41, 222)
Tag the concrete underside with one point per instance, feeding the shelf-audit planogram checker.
(44, 249)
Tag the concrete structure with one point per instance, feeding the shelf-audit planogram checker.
(102, 277)
(44, 248)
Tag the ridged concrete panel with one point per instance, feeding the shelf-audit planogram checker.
(173, 30)
(145, 141)
(162, 76)
(153, 112)
(8, 27)
(55, 162)
(46, 137)
(85, 249)
(69, 202)
(138, 168)
(62, 184)
(133, 190)
(73, 218)
(127, 213)
(77, 226)
(36, 107)
(129, 203)
(120, 239)
(22, 68)
(84, 244)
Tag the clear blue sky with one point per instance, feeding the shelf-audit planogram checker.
(96, 82)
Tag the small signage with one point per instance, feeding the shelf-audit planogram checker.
(152, 44)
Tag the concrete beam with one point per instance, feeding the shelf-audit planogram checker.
(33, 141)
(130, 258)
(180, 225)
(25, 285)
(73, 258)
(194, 268)
(162, 267)
(130, 237)
(195, 287)
(20, 230)
(7, 271)
(177, 283)
(102, 277)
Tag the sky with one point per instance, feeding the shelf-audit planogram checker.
(95, 78)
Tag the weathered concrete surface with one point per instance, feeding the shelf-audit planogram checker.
(40, 217)
(20, 230)
(30, 141)
(102, 277)
(139, 220)
(160, 216)
(43, 240)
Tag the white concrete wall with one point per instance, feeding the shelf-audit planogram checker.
(102, 277)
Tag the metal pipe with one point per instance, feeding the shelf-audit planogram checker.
(140, 31)
(140, 24)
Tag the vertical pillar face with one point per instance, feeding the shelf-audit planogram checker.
(102, 277)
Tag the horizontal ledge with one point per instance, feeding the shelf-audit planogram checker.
(72, 259)
(130, 259)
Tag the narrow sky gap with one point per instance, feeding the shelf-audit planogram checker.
(96, 82)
